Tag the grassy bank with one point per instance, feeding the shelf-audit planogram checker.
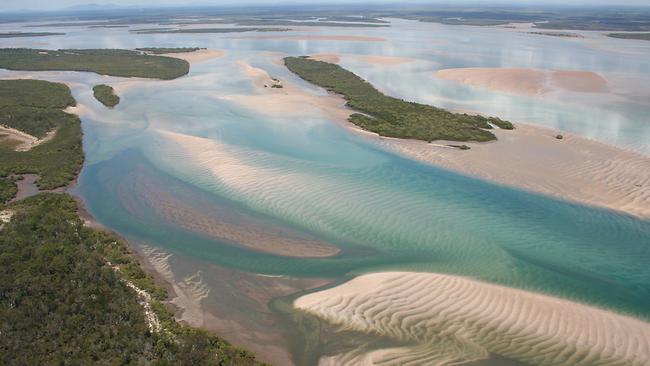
(640, 36)
(106, 95)
(66, 299)
(390, 116)
(124, 63)
(35, 107)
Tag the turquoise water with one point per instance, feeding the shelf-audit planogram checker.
(301, 171)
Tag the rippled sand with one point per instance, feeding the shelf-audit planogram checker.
(443, 319)
(526, 81)
(531, 158)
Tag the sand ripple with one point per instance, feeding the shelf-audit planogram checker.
(442, 319)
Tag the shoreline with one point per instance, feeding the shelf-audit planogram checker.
(530, 158)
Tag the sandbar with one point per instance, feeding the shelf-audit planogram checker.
(332, 58)
(445, 319)
(526, 81)
(196, 57)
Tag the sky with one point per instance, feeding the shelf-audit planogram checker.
(11, 5)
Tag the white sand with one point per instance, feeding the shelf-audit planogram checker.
(526, 81)
(196, 57)
(450, 319)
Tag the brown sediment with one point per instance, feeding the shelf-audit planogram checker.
(225, 225)
(526, 81)
(385, 60)
(317, 38)
(231, 303)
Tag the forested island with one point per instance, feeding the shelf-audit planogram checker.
(106, 95)
(393, 117)
(640, 36)
(126, 63)
(69, 293)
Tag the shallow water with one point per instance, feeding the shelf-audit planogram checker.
(307, 175)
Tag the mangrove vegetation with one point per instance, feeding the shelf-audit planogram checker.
(106, 95)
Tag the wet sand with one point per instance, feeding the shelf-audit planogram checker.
(212, 221)
(451, 320)
(526, 81)
(196, 57)
(230, 303)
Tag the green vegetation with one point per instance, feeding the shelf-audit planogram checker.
(162, 50)
(206, 30)
(34, 107)
(106, 62)
(106, 95)
(28, 34)
(390, 116)
(8, 189)
(64, 298)
(641, 36)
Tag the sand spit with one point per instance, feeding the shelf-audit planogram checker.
(288, 100)
(196, 57)
(532, 158)
(317, 38)
(332, 58)
(25, 142)
(443, 319)
(385, 60)
(221, 224)
(526, 81)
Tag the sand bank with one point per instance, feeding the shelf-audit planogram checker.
(531, 158)
(526, 81)
(219, 223)
(443, 319)
(317, 38)
(385, 60)
(196, 57)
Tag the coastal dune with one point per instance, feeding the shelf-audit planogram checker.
(442, 319)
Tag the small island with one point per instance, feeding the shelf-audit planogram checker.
(393, 117)
(106, 95)
(113, 62)
(165, 50)
(29, 34)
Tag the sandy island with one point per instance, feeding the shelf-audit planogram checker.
(332, 58)
(526, 81)
(444, 319)
(196, 57)
(529, 157)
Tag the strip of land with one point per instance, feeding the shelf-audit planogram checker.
(392, 117)
(29, 34)
(444, 319)
(125, 63)
(296, 37)
(205, 30)
(640, 36)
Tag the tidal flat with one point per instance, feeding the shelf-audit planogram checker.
(185, 169)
